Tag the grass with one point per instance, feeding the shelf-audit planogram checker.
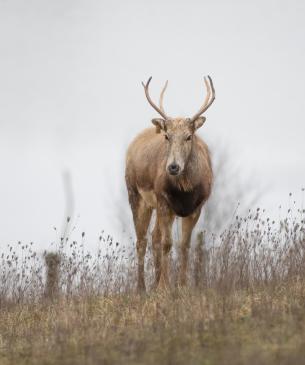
(177, 327)
(245, 302)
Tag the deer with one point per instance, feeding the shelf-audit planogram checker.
(168, 170)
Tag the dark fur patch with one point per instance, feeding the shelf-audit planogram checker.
(184, 203)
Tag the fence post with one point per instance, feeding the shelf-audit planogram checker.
(52, 261)
(200, 262)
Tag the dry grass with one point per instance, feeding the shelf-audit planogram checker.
(179, 327)
(245, 303)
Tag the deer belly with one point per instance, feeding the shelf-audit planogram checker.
(149, 197)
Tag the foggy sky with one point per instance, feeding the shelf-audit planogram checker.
(71, 98)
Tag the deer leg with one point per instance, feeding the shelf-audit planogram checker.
(166, 219)
(188, 224)
(141, 216)
(156, 245)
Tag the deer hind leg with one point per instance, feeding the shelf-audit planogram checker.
(165, 218)
(188, 224)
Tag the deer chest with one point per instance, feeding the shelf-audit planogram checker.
(184, 203)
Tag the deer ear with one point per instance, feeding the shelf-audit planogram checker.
(198, 122)
(159, 123)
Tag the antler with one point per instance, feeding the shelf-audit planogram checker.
(159, 110)
(161, 97)
(208, 99)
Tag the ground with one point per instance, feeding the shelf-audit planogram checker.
(181, 326)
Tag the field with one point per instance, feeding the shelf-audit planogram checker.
(244, 304)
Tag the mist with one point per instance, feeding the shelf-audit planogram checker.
(71, 100)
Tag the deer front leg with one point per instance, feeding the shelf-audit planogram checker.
(156, 246)
(188, 224)
(165, 218)
(141, 215)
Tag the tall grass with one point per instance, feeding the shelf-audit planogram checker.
(244, 303)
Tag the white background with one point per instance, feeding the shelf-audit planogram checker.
(71, 98)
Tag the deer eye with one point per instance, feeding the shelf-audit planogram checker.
(189, 138)
(166, 137)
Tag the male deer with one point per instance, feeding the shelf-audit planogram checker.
(168, 168)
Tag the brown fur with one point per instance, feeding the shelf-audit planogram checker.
(150, 187)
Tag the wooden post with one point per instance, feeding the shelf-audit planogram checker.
(200, 262)
(52, 261)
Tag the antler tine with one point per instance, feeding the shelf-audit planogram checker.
(146, 89)
(208, 99)
(162, 95)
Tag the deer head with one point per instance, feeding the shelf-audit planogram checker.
(178, 132)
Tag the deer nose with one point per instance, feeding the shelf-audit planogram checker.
(173, 169)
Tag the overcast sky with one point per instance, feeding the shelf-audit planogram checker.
(71, 98)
